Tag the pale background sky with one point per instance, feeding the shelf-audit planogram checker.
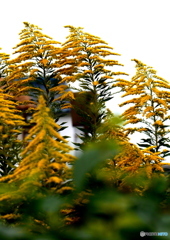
(134, 28)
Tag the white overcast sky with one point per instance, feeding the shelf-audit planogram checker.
(134, 28)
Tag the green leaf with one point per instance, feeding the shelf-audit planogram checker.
(93, 155)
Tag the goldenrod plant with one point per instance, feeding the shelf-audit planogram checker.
(11, 124)
(114, 189)
(3, 63)
(149, 109)
(85, 58)
(3, 68)
(130, 161)
(45, 164)
(47, 151)
(33, 70)
(108, 213)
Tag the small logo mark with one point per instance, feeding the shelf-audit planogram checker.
(142, 233)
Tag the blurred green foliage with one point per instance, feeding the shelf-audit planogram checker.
(99, 210)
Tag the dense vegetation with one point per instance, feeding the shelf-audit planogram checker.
(114, 189)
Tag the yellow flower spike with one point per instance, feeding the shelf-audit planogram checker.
(95, 83)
